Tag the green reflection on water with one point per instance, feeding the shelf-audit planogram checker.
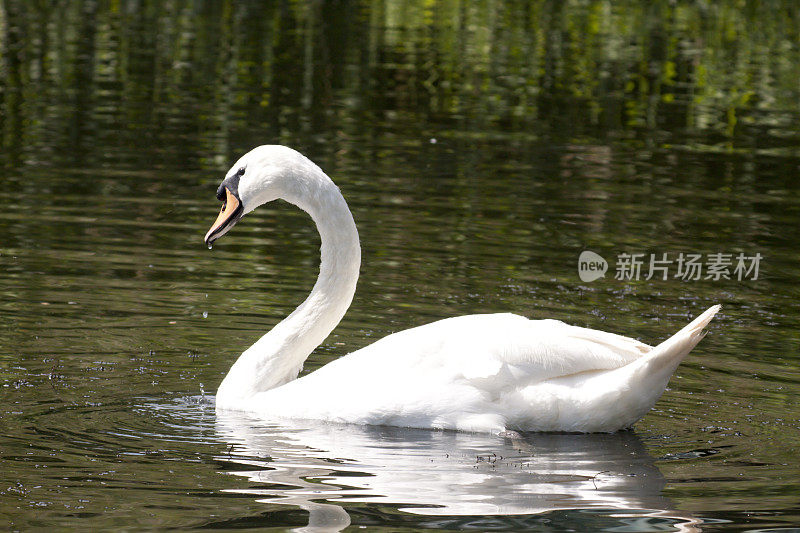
(481, 145)
(91, 81)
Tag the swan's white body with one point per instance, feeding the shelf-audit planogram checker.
(488, 373)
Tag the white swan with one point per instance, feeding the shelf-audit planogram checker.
(487, 373)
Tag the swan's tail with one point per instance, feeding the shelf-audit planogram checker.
(609, 400)
(645, 379)
(671, 352)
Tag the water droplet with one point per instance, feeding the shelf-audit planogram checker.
(205, 314)
(210, 246)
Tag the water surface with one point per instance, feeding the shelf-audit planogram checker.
(481, 147)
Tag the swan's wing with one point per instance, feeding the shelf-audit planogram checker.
(510, 347)
(530, 351)
(625, 347)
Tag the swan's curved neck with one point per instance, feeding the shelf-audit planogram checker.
(278, 356)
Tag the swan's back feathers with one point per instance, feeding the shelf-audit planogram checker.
(483, 346)
(532, 351)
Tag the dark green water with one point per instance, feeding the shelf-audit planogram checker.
(482, 147)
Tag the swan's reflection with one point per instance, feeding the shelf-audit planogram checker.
(444, 473)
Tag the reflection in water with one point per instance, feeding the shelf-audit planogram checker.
(445, 473)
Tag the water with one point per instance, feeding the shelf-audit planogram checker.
(482, 147)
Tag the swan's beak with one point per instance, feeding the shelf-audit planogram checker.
(229, 215)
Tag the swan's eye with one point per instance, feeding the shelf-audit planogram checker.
(240, 172)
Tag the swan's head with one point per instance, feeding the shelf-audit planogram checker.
(261, 175)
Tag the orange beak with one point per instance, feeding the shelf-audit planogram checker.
(228, 216)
